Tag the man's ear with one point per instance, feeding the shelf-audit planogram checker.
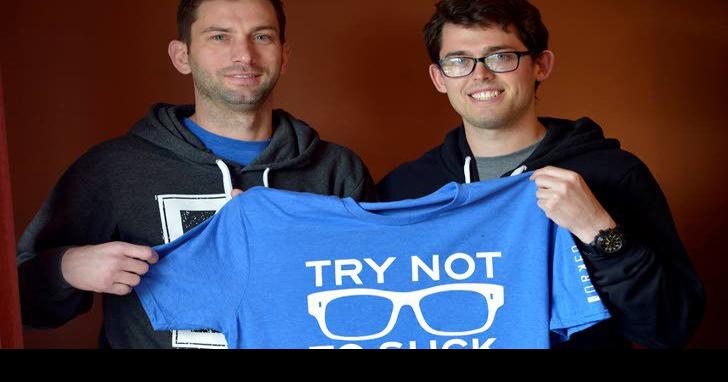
(438, 79)
(180, 58)
(544, 65)
(286, 57)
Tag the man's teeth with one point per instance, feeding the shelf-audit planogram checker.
(245, 76)
(487, 95)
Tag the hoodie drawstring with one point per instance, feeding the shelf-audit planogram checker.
(227, 180)
(265, 178)
(468, 178)
(519, 171)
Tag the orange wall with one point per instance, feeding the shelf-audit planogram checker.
(650, 71)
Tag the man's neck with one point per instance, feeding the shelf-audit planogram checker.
(506, 140)
(253, 125)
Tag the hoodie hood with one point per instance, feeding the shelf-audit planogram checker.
(292, 144)
(564, 139)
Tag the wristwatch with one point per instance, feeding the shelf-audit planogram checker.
(609, 242)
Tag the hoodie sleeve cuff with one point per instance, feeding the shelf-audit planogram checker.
(52, 260)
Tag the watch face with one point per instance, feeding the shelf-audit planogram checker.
(612, 242)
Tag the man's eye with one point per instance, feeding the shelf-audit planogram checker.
(218, 37)
(264, 37)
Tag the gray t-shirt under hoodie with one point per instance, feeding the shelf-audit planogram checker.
(494, 167)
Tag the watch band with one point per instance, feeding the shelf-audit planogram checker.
(609, 242)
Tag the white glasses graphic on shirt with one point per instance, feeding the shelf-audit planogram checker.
(318, 303)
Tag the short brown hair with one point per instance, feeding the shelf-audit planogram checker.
(520, 14)
(187, 15)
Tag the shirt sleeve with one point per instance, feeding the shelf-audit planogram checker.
(575, 303)
(77, 212)
(201, 277)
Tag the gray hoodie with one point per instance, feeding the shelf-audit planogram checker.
(148, 188)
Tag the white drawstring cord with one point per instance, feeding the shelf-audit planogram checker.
(265, 178)
(226, 178)
(228, 182)
(467, 170)
(519, 171)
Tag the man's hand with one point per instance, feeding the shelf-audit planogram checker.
(113, 268)
(567, 200)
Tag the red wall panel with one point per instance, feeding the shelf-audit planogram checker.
(11, 335)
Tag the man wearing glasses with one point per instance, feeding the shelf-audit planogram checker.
(489, 57)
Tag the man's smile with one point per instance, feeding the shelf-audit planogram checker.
(486, 95)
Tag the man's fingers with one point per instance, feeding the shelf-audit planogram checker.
(555, 172)
(545, 194)
(138, 252)
(120, 289)
(135, 266)
(155, 257)
(548, 182)
(126, 278)
(544, 171)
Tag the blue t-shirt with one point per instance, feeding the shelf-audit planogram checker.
(470, 266)
(233, 150)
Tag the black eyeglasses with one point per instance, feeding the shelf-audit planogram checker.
(501, 62)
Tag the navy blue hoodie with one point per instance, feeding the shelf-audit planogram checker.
(651, 289)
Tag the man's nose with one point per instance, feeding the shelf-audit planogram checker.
(242, 51)
(482, 73)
